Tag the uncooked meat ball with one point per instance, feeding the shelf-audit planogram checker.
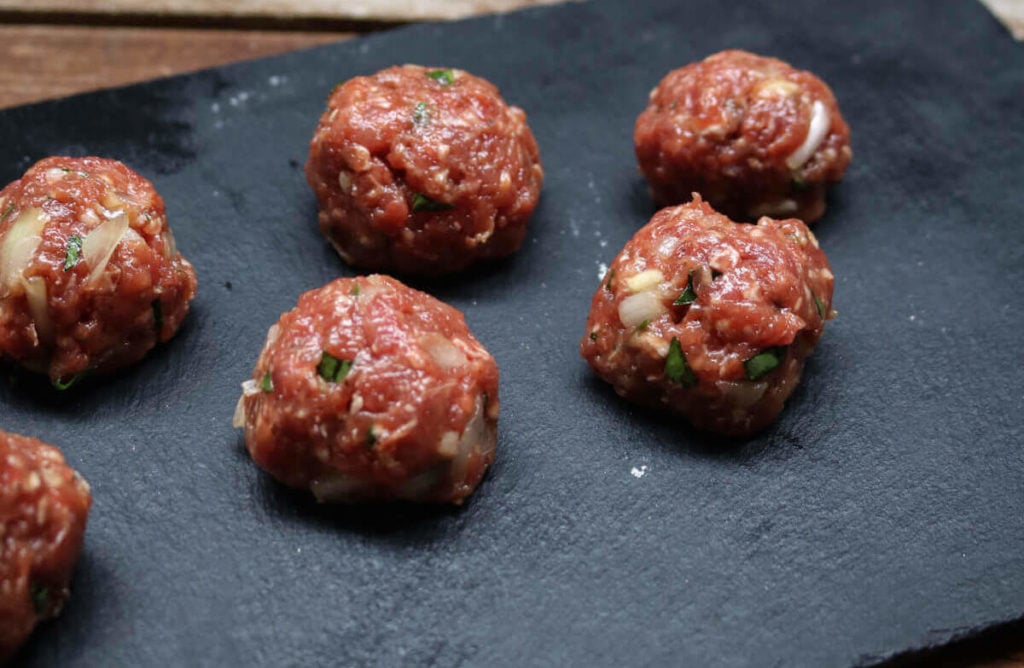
(709, 318)
(44, 505)
(423, 171)
(752, 135)
(370, 390)
(90, 277)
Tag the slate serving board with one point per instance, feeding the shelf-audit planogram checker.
(884, 511)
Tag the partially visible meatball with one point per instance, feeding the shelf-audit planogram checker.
(752, 135)
(44, 505)
(709, 318)
(370, 390)
(90, 277)
(423, 171)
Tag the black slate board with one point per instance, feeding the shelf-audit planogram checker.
(885, 510)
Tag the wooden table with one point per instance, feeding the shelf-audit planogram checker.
(52, 48)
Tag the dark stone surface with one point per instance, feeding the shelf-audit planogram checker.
(884, 511)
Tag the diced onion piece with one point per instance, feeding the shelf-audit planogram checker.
(238, 419)
(637, 308)
(474, 438)
(743, 395)
(19, 245)
(444, 352)
(337, 486)
(250, 388)
(820, 123)
(99, 244)
(645, 280)
(170, 245)
(35, 294)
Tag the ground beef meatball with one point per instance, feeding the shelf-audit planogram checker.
(423, 171)
(90, 278)
(709, 318)
(370, 390)
(752, 135)
(43, 509)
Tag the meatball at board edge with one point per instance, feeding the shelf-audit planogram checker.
(577, 428)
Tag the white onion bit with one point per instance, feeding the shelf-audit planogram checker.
(444, 352)
(19, 246)
(820, 123)
(99, 244)
(35, 293)
(637, 308)
(645, 280)
(238, 420)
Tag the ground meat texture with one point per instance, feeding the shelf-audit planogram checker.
(370, 390)
(751, 134)
(709, 318)
(90, 277)
(43, 510)
(423, 171)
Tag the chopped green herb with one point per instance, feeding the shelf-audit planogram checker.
(84, 175)
(355, 290)
(158, 316)
(608, 284)
(267, 384)
(424, 203)
(799, 184)
(444, 77)
(820, 306)
(642, 326)
(688, 296)
(61, 384)
(371, 437)
(332, 369)
(764, 362)
(421, 114)
(8, 210)
(593, 336)
(676, 368)
(66, 170)
(40, 598)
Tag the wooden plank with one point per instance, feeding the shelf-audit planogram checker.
(377, 10)
(42, 62)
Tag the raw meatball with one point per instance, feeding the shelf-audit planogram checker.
(423, 171)
(370, 390)
(90, 278)
(43, 509)
(752, 135)
(709, 318)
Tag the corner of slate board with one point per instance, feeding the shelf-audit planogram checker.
(883, 513)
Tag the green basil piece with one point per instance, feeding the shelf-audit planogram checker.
(688, 296)
(445, 77)
(676, 368)
(40, 598)
(267, 384)
(820, 306)
(60, 384)
(424, 203)
(421, 114)
(763, 363)
(333, 369)
(73, 253)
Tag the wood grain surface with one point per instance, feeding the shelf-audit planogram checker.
(45, 61)
(386, 10)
